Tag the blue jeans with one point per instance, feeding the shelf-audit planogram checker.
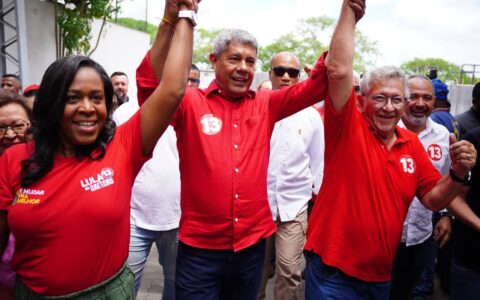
(141, 241)
(327, 282)
(465, 283)
(206, 274)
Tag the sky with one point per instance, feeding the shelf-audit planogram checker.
(403, 29)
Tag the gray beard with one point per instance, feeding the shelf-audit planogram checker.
(415, 121)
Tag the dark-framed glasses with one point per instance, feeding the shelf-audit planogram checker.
(280, 71)
(381, 100)
(18, 126)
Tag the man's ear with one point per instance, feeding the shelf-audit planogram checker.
(213, 60)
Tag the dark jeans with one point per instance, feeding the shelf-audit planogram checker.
(465, 283)
(327, 282)
(408, 265)
(205, 274)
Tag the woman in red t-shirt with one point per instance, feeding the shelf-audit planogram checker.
(67, 194)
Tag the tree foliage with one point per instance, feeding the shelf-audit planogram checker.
(310, 38)
(446, 71)
(74, 19)
(139, 25)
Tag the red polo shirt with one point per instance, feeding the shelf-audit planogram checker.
(223, 147)
(357, 220)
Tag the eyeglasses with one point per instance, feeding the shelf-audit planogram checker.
(381, 100)
(194, 80)
(19, 127)
(280, 71)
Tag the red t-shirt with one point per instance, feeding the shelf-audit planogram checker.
(357, 220)
(72, 227)
(224, 147)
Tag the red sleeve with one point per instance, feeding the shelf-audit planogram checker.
(10, 170)
(428, 176)
(287, 101)
(129, 135)
(147, 82)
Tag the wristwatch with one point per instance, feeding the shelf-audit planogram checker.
(465, 181)
(189, 14)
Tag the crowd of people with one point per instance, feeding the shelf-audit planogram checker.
(363, 178)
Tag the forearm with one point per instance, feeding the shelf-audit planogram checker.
(340, 57)
(4, 231)
(462, 211)
(160, 47)
(442, 194)
(162, 104)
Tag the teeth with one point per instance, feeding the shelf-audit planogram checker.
(86, 123)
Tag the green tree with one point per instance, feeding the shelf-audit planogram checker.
(203, 45)
(446, 71)
(74, 19)
(310, 38)
(139, 25)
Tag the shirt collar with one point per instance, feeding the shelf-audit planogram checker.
(213, 88)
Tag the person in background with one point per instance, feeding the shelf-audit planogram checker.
(12, 83)
(75, 179)
(465, 269)
(15, 120)
(471, 118)
(194, 77)
(441, 113)
(29, 94)
(264, 85)
(295, 172)
(120, 86)
(417, 247)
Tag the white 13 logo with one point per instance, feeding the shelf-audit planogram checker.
(211, 124)
(408, 164)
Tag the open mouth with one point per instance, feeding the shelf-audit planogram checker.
(240, 80)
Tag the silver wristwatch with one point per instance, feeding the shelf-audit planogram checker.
(189, 14)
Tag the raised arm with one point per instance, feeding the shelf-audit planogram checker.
(157, 111)
(163, 40)
(339, 60)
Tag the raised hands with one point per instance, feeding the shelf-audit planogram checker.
(358, 7)
(172, 7)
(463, 156)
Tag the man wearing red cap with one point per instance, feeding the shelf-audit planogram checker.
(29, 93)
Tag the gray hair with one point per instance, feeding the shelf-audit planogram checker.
(383, 73)
(224, 38)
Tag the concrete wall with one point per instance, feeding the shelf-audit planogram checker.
(40, 19)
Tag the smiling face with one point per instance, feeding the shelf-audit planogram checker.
(234, 69)
(85, 111)
(16, 118)
(420, 105)
(384, 116)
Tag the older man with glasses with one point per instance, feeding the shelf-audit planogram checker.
(373, 169)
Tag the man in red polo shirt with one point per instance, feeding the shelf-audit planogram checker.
(223, 142)
(373, 169)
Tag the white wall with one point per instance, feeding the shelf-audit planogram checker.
(120, 48)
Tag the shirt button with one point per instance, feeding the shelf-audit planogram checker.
(235, 146)
(237, 170)
(236, 196)
(236, 219)
(235, 125)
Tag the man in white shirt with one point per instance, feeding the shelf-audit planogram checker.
(155, 206)
(295, 171)
(417, 244)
